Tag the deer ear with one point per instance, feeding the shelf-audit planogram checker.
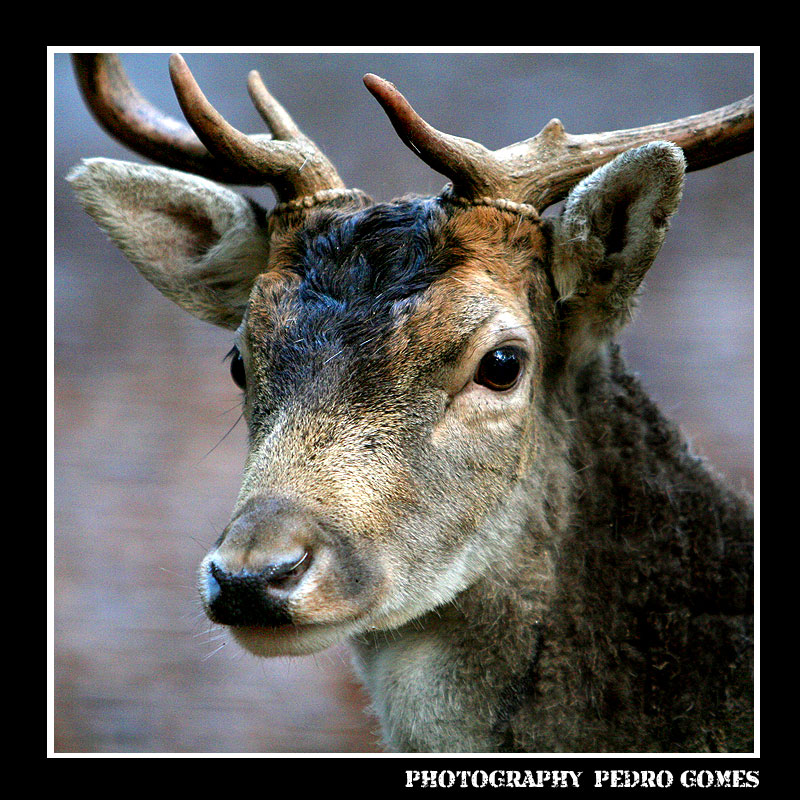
(200, 244)
(610, 231)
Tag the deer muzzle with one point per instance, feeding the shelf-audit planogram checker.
(286, 581)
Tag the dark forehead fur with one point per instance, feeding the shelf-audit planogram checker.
(348, 270)
(377, 255)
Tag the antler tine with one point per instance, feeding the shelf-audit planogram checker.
(469, 165)
(134, 121)
(272, 112)
(291, 163)
(294, 168)
(219, 136)
(540, 171)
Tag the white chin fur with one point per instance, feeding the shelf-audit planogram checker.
(289, 641)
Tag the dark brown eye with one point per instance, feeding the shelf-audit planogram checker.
(499, 369)
(237, 368)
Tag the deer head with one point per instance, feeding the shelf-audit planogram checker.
(407, 368)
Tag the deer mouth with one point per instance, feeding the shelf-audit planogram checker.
(291, 639)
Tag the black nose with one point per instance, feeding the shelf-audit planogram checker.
(252, 598)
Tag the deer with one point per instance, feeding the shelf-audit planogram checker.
(450, 466)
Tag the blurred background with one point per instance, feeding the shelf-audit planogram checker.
(148, 450)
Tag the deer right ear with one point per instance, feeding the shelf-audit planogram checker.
(610, 231)
(198, 243)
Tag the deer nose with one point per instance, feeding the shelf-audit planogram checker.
(252, 598)
(260, 560)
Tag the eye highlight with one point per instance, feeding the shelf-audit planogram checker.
(500, 369)
(237, 368)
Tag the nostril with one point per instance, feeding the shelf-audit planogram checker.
(272, 574)
(282, 573)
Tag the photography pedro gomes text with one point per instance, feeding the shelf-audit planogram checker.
(570, 779)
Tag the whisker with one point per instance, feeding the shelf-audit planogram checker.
(222, 439)
(232, 408)
(214, 652)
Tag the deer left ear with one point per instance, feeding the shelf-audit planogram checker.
(611, 229)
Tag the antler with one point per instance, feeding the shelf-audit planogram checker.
(540, 171)
(287, 160)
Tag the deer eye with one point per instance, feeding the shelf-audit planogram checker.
(499, 369)
(237, 367)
